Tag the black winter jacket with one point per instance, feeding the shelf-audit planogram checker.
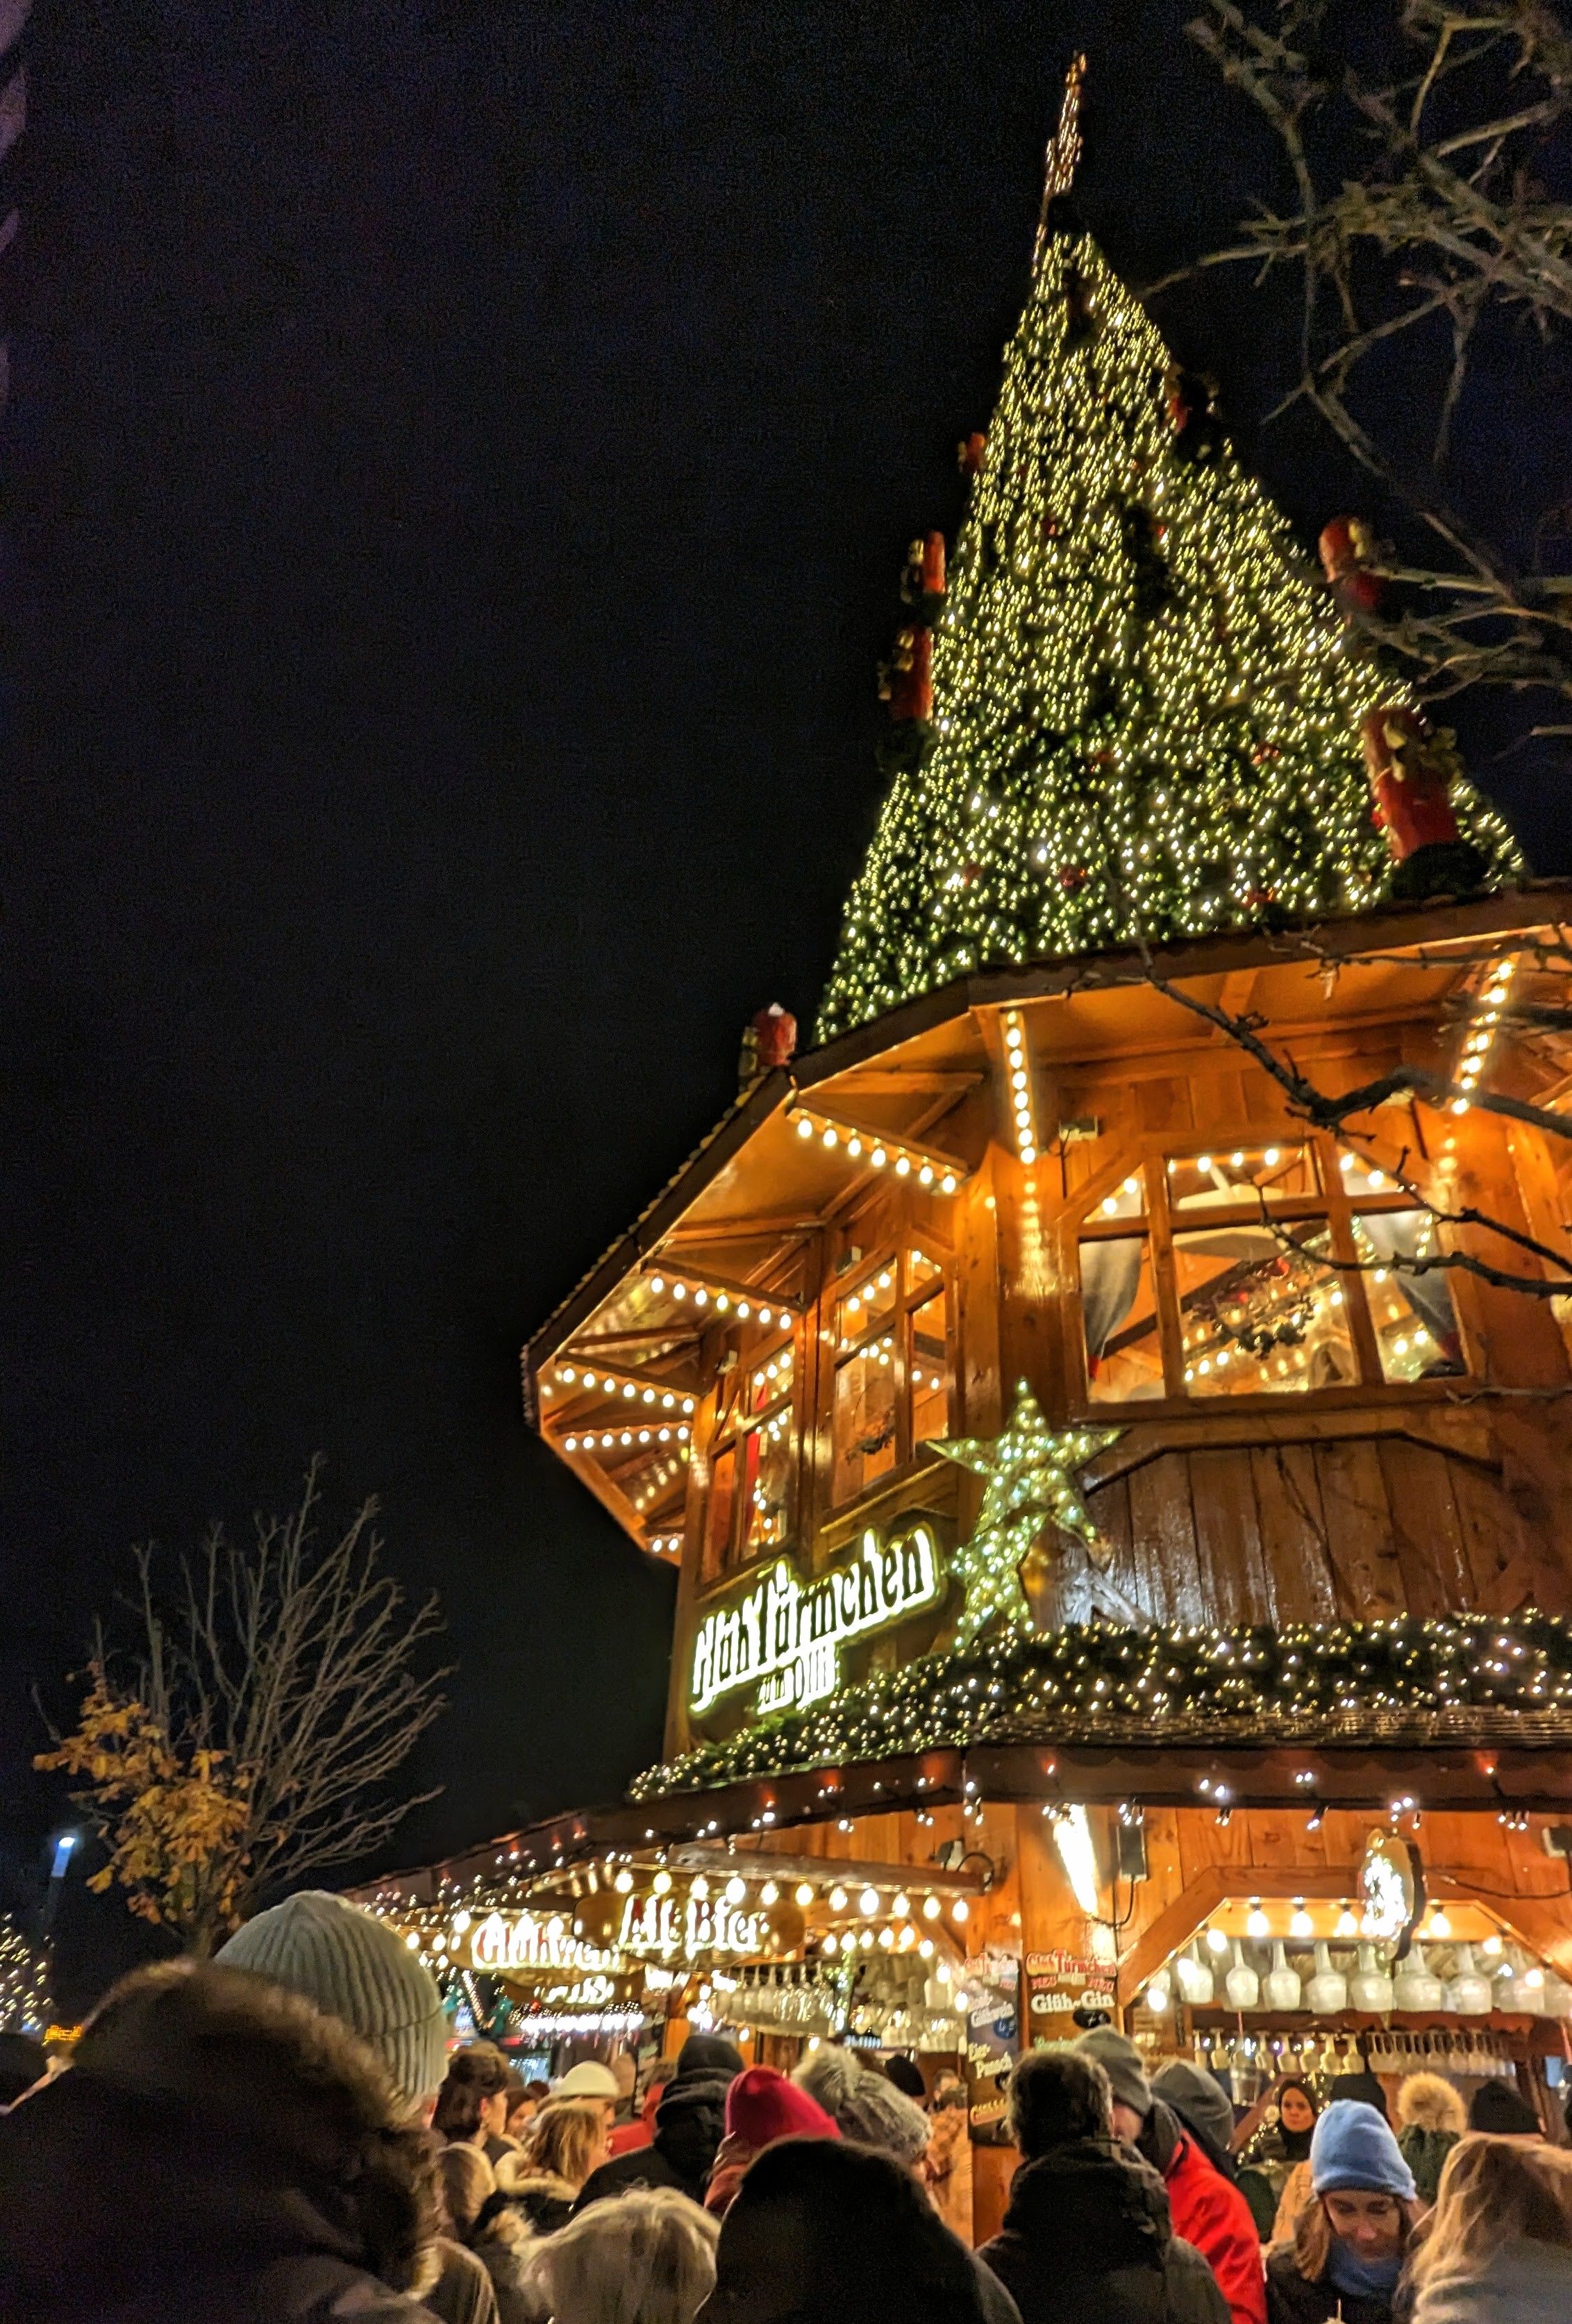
(1087, 2240)
(690, 2123)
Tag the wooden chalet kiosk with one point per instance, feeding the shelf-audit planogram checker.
(1117, 1494)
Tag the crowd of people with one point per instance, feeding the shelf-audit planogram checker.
(283, 2136)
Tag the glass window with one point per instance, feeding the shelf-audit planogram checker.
(867, 1309)
(1125, 1202)
(770, 1378)
(921, 1272)
(1119, 1310)
(718, 1517)
(1361, 1178)
(1242, 1175)
(767, 1483)
(864, 1417)
(1261, 1312)
(928, 1366)
(1416, 1324)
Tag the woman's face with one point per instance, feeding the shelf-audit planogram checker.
(495, 2116)
(1368, 2223)
(1297, 2112)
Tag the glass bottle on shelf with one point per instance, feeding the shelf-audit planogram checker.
(1327, 1992)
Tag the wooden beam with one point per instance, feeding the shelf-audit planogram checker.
(730, 1288)
(761, 1864)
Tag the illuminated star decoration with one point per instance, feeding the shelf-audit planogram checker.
(1030, 1482)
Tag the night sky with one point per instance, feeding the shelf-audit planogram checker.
(456, 479)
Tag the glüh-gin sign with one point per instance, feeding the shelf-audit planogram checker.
(784, 1637)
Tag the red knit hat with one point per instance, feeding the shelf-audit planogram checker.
(762, 2105)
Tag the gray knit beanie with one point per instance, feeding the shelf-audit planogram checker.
(1120, 2061)
(356, 1969)
(864, 2106)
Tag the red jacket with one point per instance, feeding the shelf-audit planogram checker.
(629, 2136)
(1212, 2215)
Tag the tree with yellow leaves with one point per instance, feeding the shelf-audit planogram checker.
(248, 1735)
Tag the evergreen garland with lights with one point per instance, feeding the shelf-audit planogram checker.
(1146, 709)
(1448, 1678)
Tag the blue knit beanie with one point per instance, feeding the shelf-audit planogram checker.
(1353, 2147)
(354, 1967)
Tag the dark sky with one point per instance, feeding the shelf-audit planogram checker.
(456, 479)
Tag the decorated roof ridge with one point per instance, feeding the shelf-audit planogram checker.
(1128, 708)
(1115, 964)
(1469, 1678)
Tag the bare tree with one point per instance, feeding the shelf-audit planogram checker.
(248, 1733)
(1442, 226)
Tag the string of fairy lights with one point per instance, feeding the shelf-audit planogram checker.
(1145, 712)
(1099, 1680)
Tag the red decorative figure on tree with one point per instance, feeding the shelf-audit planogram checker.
(769, 1040)
(972, 452)
(1349, 549)
(1412, 769)
(907, 681)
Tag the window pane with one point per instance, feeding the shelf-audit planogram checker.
(1416, 1325)
(867, 1308)
(770, 1378)
(865, 1418)
(769, 1476)
(1258, 1314)
(1125, 1202)
(718, 1517)
(928, 1367)
(922, 1271)
(1216, 1181)
(1118, 1311)
(1361, 1177)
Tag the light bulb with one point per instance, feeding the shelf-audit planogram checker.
(1348, 1926)
(868, 1902)
(831, 1944)
(699, 1886)
(932, 1908)
(960, 1910)
(769, 1893)
(1492, 1945)
(1440, 1927)
(838, 1899)
(902, 1905)
(736, 1889)
(1258, 1925)
(623, 1882)
(1217, 1941)
(1302, 1925)
(803, 1893)
(661, 1883)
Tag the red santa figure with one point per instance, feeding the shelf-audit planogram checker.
(769, 1040)
(906, 682)
(1412, 769)
(1349, 549)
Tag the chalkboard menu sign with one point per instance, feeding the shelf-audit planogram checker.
(993, 2041)
(1057, 1984)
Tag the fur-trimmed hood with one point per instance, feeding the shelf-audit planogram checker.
(514, 2181)
(1427, 2102)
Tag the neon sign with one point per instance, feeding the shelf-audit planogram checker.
(784, 1637)
(656, 1928)
(525, 1943)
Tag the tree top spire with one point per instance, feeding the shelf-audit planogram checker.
(1063, 156)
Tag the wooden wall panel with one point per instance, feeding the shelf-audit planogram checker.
(1426, 1534)
(1227, 1535)
(1489, 1528)
(1358, 1518)
(1301, 1583)
(1162, 1529)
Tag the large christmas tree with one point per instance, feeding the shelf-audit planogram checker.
(1146, 707)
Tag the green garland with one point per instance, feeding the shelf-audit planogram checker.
(1103, 1683)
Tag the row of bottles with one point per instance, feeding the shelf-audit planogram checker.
(1520, 1987)
(1252, 2062)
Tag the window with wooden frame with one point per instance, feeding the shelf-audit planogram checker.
(753, 1462)
(892, 1334)
(1209, 1274)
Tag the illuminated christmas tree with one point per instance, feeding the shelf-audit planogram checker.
(1144, 708)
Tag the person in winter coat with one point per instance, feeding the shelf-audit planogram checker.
(1203, 2107)
(1296, 2115)
(690, 2121)
(1499, 2249)
(1500, 2110)
(568, 2142)
(948, 2160)
(1431, 2120)
(354, 1967)
(822, 2232)
(1207, 2210)
(488, 2225)
(473, 2100)
(218, 2152)
(629, 2136)
(1087, 2239)
(1350, 2238)
(648, 2258)
(761, 2105)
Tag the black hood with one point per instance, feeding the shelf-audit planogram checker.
(707, 2053)
(1094, 2199)
(690, 2123)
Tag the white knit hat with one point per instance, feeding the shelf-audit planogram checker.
(588, 2079)
(356, 1969)
(864, 2104)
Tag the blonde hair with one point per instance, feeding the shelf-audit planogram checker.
(646, 2257)
(1491, 2190)
(568, 2139)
